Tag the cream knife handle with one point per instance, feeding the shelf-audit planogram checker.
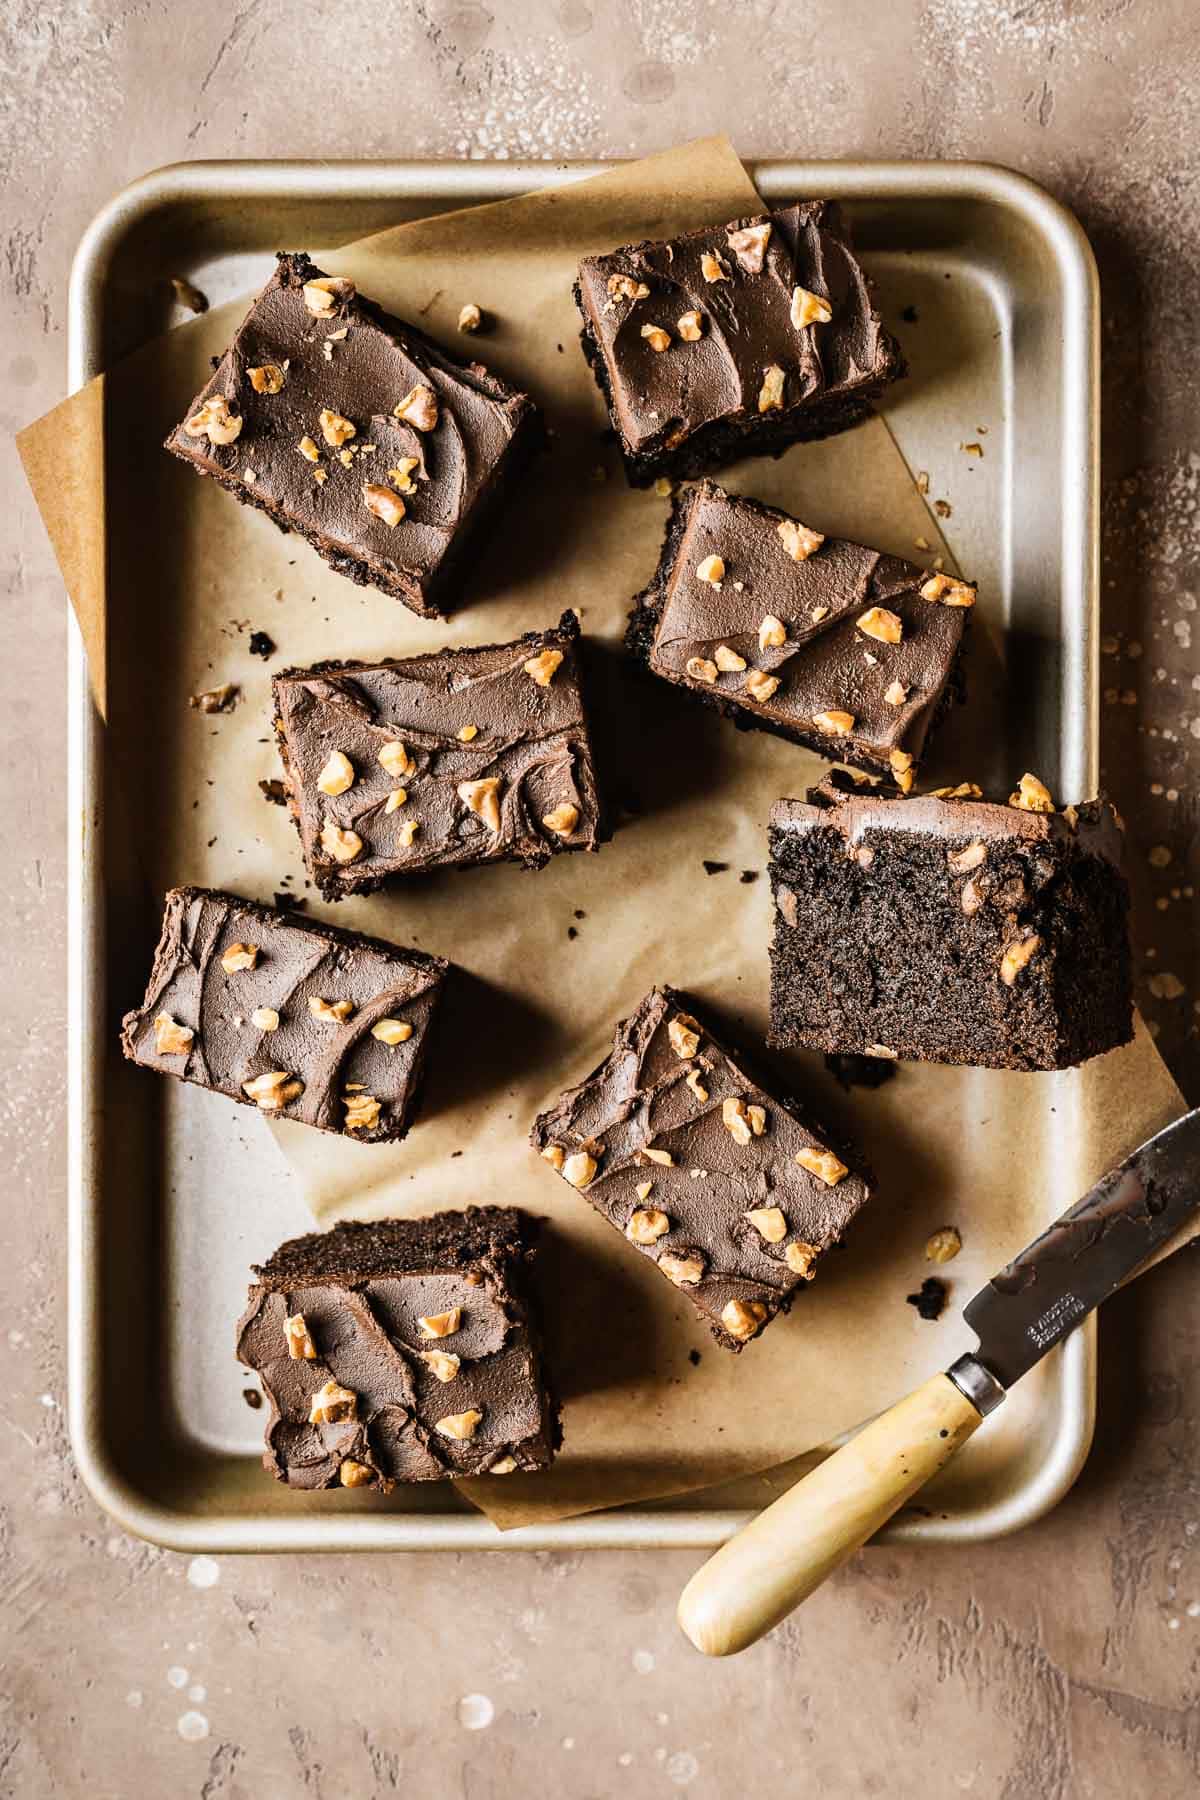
(777, 1560)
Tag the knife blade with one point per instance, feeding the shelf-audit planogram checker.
(776, 1561)
(1082, 1258)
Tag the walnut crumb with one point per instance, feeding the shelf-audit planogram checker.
(772, 633)
(579, 1169)
(760, 686)
(658, 339)
(383, 504)
(1032, 795)
(647, 1225)
(265, 1018)
(482, 797)
(835, 723)
(321, 296)
(1016, 956)
(712, 267)
(555, 1155)
(330, 1012)
(460, 1426)
(624, 287)
(392, 1032)
(728, 660)
(948, 592)
(749, 245)
(769, 1223)
(395, 800)
(407, 833)
(799, 542)
(561, 820)
(884, 626)
(396, 760)
(267, 378)
(896, 694)
(800, 1258)
(684, 1271)
(419, 408)
(337, 775)
(440, 1325)
(690, 326)
(901, 764)
(309, 450)
(543, 667)
(466, 734)
(808, 308)
(822, 1163)
(684, 1034)
(170, 1037)
(214, 421)
(401, 476)
(944, 1245)
(712, 570)
(333, 1405)
(469, 318)
(442, 1364)
(300, 1346)
(662, 1157)
(354, 1474)
(335, 429)
(273, 1090)
(770, 394)
(961, 862)
(362, 1112)
(644, 1189)
(342, 845)
(700, 668)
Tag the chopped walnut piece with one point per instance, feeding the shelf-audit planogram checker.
(647, 1225)
(769, 1223)
(466, 734)
(543, 667)
(265, 1018)
(884, 626)
(818, 613)
(761, 686)
(579, 1169)
(555, 1155)
(239, 956)
(690, 326)
(216, 700)
(808, 308)
(322, 294)
(273, 1090)
(214, 421)
(170, 1037)
(333, 1405)
(947, 591)
(300, 1346)
(692, 1077)
(337, 775)
(701, 669)
(770, 394)
(896, 694)
(684, 1034)
(561, 820)
(406, 833)
(881, 1050)
(469, 318)
(396, 760)
(944, 1245)
(343, 846)
(742, 1318)
(900, 762)
(656, 337)
(353, 1474)
(663, 1157)
(334, 1012)
(712, 267)
(335, 429)
(966, 790)
(800, 1258)
(961, 862)
(643, 1190)
(505, 1465)
(1016, 955)
(971, 898)
(799, 542)
(684, 1271)
(1032, 796)
(712, 570)
(624, 287)
(440, 1325)
(772, 633)
(460, 1426)
(822, 1163)
(395, 800)
(733, 1117)
(362, 1112)
(443, 1364)
(837, 724)
(482, 797)
(268, 378)
(757, 1116)
(728, 661)
(382, 504)
(309, 450)
(749, 245)
(392, 1032)
(419, 408)
(664, 488)
(401, 476)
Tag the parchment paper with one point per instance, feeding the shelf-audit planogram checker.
(652, 1407)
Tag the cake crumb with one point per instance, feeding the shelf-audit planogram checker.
(930, 1302)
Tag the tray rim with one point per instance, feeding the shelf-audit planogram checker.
(464, 183)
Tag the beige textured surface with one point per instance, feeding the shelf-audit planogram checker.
(1064, 1663)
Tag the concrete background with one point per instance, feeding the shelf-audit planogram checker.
(1063, 1663)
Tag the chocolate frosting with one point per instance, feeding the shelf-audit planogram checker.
(1093, 828)
(827, 664)
(533, 739)
(746, 324)
(640, 1097)
(298, 959)
(374, 362)
(361, 1290)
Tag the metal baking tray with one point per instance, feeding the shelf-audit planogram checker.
(1006, 288)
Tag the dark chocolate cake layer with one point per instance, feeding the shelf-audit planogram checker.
(442, 761)
(950, 930)
(303, 1020)
(729, 1187)
(825, 642)
(357, 431)
(733, 341)
(406, 1350)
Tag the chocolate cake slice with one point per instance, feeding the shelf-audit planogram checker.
(947, 928)
(825, 642)
(357, 431)
(439, 762)
(728, 1186)
(736, 340)
(406, 1350)
(301, 1019)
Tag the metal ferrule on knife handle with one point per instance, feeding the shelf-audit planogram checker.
(976, 1384)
